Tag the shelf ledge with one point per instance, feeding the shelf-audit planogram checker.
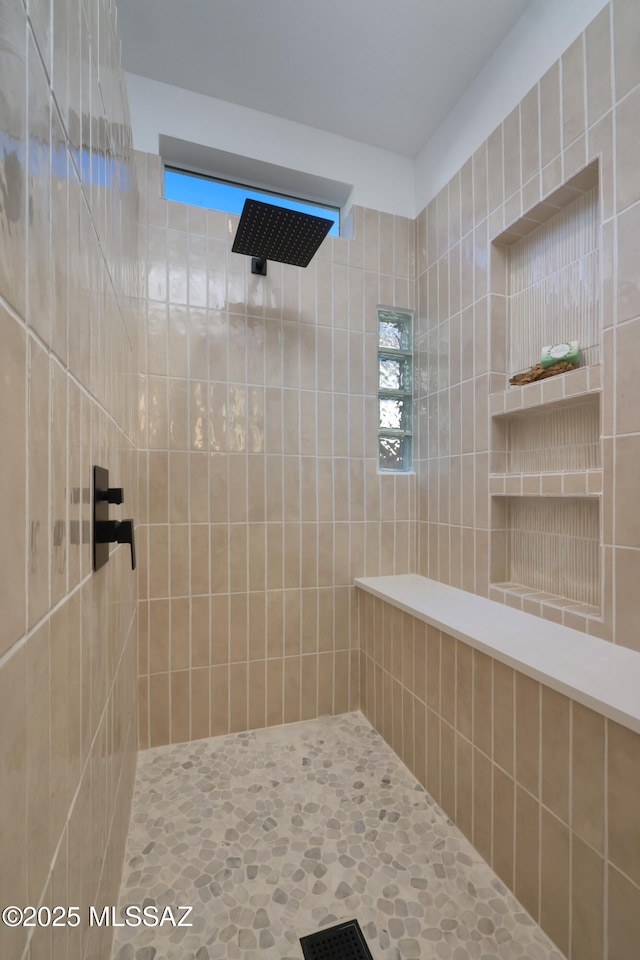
(581, 385)
(566, 483)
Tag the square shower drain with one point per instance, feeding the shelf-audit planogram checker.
(345, 941)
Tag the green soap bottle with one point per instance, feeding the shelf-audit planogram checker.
(560, 351)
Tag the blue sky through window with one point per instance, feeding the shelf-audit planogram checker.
(218, 195)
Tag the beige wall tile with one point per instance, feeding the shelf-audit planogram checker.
(623, 915)
(13, 798)
(598, 64)
(220, 695)
(482, 804)
(503, 826)
(433, 755)
(464, 690)
(180, 706)
(527, 847)
(573, 92)
(238, 695)
(503, 716)
(626, 36)
(623, 783)
(588, 775)
(627, 570)
(494, 169)
(554, 879)
(448, 769)
(627, 460)
(464, 785)
(627, 125)
(555, 753)
(587, 902)
(627, 338)
(628, 226)
(448, 679)
(527, 733)
(159, 716)
(40, 547)
(13, 477)
(550, 133)
(512, 153)
(482, 702)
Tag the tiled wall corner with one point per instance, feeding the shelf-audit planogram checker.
(69, 273)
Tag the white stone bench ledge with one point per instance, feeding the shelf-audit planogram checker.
(601, 675)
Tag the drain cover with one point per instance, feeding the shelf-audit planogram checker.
(342, 942)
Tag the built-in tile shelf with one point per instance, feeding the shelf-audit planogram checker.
(560, 609)
(586, 483)
(561, 389)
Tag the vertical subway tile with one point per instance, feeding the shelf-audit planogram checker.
(626, 36)
(13, 167)
(13, 476)
(482, 804)
(550, 133)
(598, 65)
(39, 528)
(512, 153)
(503, 716)
(464, 689)
(527, 733)
(623, 916)
(627, 121)
(554, 879)
(623, 785)
(587, 901)
(13, 800)
(503, 826)
(464, 786)
(527, 851)
(573, 91)
(555, 753)
(482, 702)
(530, 135)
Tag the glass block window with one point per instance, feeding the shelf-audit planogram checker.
(395, 367)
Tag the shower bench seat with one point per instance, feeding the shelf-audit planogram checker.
(600, 675)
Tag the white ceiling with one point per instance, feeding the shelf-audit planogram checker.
(384, 72)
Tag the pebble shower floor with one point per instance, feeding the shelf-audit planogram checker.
(273, 834)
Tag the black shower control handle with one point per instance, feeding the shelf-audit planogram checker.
(117, 531)
(112, 495)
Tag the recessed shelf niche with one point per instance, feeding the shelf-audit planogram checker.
(548, 439)
(549, 546)
(546, 461)
(547, 271)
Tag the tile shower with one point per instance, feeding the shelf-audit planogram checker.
(237, 415)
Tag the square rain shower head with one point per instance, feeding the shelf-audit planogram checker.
(269, 232)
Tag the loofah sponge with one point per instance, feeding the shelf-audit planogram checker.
(538, 372)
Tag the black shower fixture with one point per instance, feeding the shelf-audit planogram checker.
(268, 232)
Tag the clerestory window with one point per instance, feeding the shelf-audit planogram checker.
(395, 397)
(206, 191)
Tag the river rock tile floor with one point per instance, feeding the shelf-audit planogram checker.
(273, 834)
